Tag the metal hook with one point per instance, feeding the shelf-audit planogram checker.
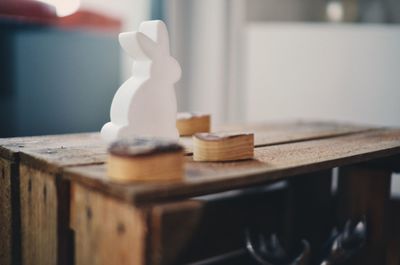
(344, 245)
(270, 252)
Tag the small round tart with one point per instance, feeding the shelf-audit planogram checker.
(145, 159)
(223, 146)
(189, 123)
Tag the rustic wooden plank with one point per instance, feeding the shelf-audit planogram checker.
(53, 159)
(58, 148)
(10, 150)
(9, 213)
(271, 163)
(44, 210)
(365, 191)
(6, 234)
(53, 156)
(38, 216)
(175, 222)
(107, 231)
(50, 232)
(49, 154)
(11, 147)
(273, 133)
(209, 226)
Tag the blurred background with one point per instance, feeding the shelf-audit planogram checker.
(242, 60)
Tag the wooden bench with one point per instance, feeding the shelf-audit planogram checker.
(59, 206)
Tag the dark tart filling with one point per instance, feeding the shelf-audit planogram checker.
(143, 147)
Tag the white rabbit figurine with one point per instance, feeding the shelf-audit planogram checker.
(145, 105)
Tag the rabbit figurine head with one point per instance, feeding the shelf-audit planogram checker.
(149, 47)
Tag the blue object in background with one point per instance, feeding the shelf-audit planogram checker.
(58, 81)
(157, 9)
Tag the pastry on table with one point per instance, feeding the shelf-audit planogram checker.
(223, 146)
(190, 123)
(145, 159)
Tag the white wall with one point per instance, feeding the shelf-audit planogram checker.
(323, 71)
(199, 37)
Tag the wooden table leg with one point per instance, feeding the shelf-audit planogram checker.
(365, 191)
(310, 213)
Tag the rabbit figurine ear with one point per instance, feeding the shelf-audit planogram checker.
(157, 31)
(137, 45)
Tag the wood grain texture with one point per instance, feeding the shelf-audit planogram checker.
(172, 226)
(209, 226)
(10, 243)
(53, 159)
(365, 191)
(271, 163)
(52, 147)
(6, 219)
(273, 133)
(10, 151)
(52, 154)
(43, 158)
(58, 150)
(11, 147)
(38, 217)
(107, 231)
(47, 201)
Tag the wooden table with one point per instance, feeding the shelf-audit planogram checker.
(59, 206)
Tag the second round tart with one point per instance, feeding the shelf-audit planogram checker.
(223, 146)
